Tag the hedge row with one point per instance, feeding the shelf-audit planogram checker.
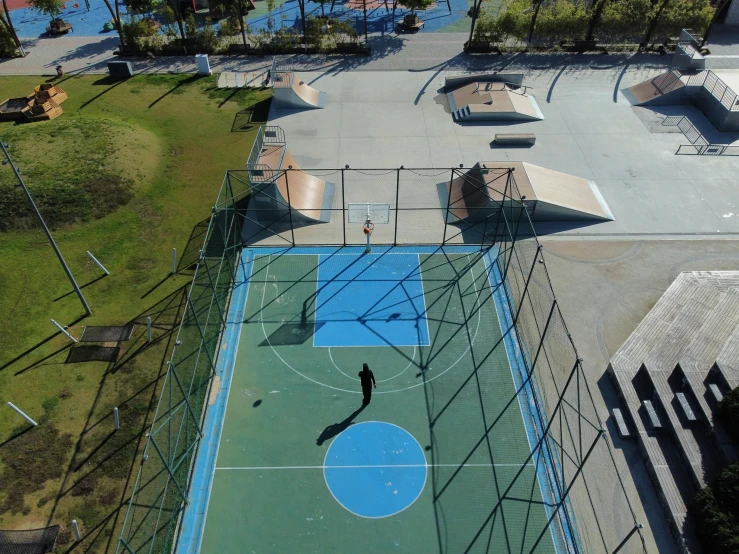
(620, 21)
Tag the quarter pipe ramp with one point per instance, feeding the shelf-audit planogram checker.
(548, 195)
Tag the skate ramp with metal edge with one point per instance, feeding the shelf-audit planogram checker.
(491, 97)
(712, 92)
(548, 195)
(281, 190)
(291, 92)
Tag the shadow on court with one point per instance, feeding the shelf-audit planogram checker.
(335, 428)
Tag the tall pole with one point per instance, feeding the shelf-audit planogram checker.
(77, 289)
(366, 40)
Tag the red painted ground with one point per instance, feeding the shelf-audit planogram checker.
(15, 4)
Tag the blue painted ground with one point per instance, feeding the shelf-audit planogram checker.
(371, 300)
(375, 469)
(30, 23)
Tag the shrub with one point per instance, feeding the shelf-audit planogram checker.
(716, 527)
(201, 40)
(728, 413)
(561, 20)
(7, 45)
(230, 27)
(683, 14)
(624, 21)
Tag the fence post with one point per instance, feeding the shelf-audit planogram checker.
(116, 419)
(397, 207)
(76, 531)
(448, 201)
(64, 330)
(343, 204)
(289, 204)
(174, 261)
(148, 329)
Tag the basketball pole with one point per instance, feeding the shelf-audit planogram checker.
(21, 184)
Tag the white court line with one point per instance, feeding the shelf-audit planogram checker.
(261, 468)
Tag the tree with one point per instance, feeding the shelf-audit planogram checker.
(416, 4)
(115, 15)
(241, 10)
(654, 20)
(8, 24)
(598, 7)
(52, 8)
(173, 14)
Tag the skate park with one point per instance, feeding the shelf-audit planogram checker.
(590, 130)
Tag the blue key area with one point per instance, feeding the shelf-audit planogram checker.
(375, 469)
(370, 300)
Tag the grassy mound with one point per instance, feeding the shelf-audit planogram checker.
(82, 168)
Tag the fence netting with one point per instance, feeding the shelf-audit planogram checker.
(590, 511)
(29, 541)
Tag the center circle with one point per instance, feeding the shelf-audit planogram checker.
(375, 469)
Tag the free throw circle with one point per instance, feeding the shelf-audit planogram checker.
(375, 469)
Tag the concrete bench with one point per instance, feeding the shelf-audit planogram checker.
(715, 392)
(652, 414)
(685, 405)
(515, 138)
(623, 429)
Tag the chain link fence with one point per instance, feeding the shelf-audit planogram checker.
(588, 508)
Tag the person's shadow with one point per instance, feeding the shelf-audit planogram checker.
(335, 428)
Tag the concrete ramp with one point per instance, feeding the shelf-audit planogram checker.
(549, 195)
(665, 89)
(490, 100)
(291, 92)
(284, 195)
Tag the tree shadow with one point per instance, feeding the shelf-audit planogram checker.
(180, 83)
(335, 428)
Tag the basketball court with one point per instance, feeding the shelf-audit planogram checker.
(439, 461)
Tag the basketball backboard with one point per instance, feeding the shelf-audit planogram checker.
(378, 213)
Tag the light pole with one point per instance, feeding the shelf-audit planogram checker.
(21, 184)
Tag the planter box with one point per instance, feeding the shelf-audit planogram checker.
(239, 48)
(352, 48)
(480, 47)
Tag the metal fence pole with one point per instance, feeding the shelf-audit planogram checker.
(397, 206)
(343, 204)
(58, 252)
(448, 201)
(289, 205)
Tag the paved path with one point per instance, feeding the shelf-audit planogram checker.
(389, 52)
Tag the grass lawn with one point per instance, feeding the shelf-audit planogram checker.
(127, 172)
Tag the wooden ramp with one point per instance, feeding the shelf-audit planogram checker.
(549, 195)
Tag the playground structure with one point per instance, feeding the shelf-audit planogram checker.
(490, 97)
(42, 105)
(548, 195)
(705, 89)
(291, 92)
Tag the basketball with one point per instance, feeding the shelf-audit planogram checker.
(366, 230)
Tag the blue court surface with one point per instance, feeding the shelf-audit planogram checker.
(371, 300)
(442, 460)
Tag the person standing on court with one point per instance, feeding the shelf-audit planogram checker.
(367, 379)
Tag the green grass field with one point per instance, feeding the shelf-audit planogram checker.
(127, 172)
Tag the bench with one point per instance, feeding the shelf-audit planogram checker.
(715, 392)
(652, 414)
(685, 406)
(623, 429)
(59, 27)
(515, 138)
(411, 22)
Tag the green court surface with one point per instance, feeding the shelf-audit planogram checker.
(439, 461)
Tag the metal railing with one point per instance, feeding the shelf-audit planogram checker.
(718, 89)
